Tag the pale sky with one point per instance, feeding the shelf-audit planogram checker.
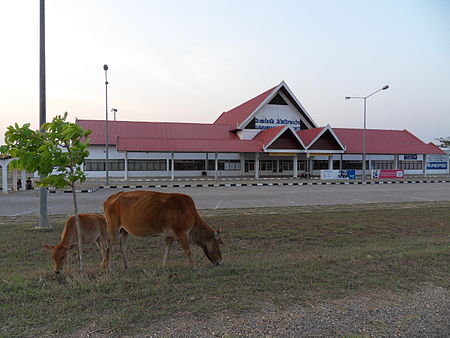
(188, 61)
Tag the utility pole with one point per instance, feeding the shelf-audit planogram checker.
(105, 68)
(43, 193)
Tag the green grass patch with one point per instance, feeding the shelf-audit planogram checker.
(283, 256)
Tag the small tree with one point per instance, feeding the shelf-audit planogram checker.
(444, 142)
(56, 153)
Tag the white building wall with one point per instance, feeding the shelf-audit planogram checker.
(277, 112)
(99, 152)
(248, 134)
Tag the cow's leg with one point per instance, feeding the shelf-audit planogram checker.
(102, 248)
(112, 237)
(184, 242)
(68, 261)
(123, 247)
(113, 225)
(169, 241)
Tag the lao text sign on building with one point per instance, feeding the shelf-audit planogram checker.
(268, 123)
(388, 173)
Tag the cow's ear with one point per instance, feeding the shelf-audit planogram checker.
(48, 247)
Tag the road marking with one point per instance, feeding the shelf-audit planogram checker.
(358, 199)
(217, 205)
(420, 198)
(25, 212)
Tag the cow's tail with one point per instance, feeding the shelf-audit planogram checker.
(112, 224)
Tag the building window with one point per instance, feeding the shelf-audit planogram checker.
(382, 165)
(231, 165)
(249, 165)
(348, 164)
(188, 165)
(147, 165)
(301, 165)
(320, 164)
(410, 165)
(270, 165)
(286, 165)
(100, 165)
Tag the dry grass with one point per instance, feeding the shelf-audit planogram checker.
(278, 255)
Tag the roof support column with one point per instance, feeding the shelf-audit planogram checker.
(242, 155)
(125, 173)
(172, 167)
(216, 165)
(256, 165)
(330, 162)
(309, 165)
(24, 178)
(295, 165)
(424, 164)
(448, 162)
(395, 161)
(14, 180)
(5, 177)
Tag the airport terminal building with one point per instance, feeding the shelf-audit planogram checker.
(271, 134)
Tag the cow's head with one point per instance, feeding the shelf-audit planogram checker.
(59, 255)
(211, 248)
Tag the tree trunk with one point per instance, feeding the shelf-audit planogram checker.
(78, 226)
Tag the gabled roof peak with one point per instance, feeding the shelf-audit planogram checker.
(241, 115)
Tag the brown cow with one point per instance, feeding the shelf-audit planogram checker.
(150, 213)
(93, 228)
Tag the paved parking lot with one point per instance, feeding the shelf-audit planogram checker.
(27, 202)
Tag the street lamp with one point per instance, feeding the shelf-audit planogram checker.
(364, 133)
(114, 110)
(105, 68)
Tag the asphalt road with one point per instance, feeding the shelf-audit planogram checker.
(27, 202)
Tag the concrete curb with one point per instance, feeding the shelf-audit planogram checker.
(263, 184)
(206, 185)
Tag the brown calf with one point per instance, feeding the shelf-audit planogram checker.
(150, 213)
(93, 228)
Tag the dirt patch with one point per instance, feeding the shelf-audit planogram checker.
(424, 313)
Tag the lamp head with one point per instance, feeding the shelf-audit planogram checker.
(347, 97)
(105, 67)
(385, 87)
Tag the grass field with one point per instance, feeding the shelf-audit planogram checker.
(281, 256)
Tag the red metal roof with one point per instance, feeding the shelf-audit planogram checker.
(237, 115)
(308, 135)
(267, 135)
(188, 145)
(155, 130)
(197, 137)
(379, 141)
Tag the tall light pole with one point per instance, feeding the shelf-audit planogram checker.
(43, 212)
(105, 68)
(364, 132)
